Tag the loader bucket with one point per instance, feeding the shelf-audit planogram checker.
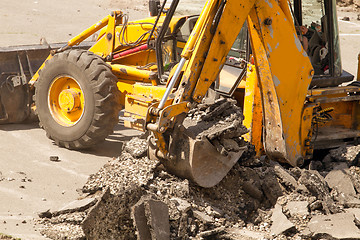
(17, 66)
(196, 159)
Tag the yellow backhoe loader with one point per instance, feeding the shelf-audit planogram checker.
(279, 59)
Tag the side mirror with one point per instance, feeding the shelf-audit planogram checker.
(154, 7)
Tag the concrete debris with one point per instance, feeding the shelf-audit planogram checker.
(110, 217)
(203, 217)
(317, 205)
(348, 154)
(45, 214)
(271, 182)
(298, 208)
(354, 174)
(140, 221)
(66, 226)
(355, 212)
(352, 202)
(120, 171)
(315, 165)
(157, 214)
(63, 231)
(181, 205)
(250, 188)
(244, 234)
(280, 223)
(136, 147)
(74, 206)
(340, 180)
(212, 232)
(257, 199)
(338, 226)
(318, 187)
(221, 123)
(285, 177)
(151, 219)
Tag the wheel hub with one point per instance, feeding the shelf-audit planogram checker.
(66, 101)
(69, 100)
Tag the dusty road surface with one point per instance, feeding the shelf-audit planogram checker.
(349, 39)
(30, 181)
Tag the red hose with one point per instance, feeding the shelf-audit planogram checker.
(130, 51)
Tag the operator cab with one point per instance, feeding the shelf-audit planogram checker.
(321, 36)
(320, 40)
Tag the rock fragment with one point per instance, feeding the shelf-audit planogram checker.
(244, 234)
(354, 174)
(136, 147)
(340, 180)
(318, 187)
(75, 206)
(298, 208)
(45, 214)
(355, 212)
(338, 226)
(285, 177)
(315, 165)
(348, 154)
(203, 217)
(280, 224)
(251, 189)
(212, 232)
(157, 214)
(181, 205)
(111, 215)
(151, 219)
(54, 158)
(270, 182)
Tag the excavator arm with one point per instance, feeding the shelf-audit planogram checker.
(283, 69)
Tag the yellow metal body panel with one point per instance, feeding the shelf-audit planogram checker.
(131, 72)
(253, 118)
(235, 12)
(195, 63)
(290, 72)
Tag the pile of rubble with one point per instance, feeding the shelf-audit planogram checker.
(132, 197)
(220, 123)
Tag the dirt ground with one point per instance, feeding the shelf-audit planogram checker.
(24, 150)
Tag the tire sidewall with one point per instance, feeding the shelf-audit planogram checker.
(64, 67)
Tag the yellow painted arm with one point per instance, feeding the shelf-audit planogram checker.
(283, 68)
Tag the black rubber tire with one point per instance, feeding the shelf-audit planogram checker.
(101, 108)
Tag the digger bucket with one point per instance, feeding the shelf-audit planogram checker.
(196, 159)
(17, 66)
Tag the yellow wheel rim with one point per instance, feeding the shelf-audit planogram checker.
(66, 101)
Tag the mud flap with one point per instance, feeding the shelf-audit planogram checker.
(196, 159)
